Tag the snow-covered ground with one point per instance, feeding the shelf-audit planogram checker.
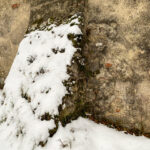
(33, 91)
(83, 134)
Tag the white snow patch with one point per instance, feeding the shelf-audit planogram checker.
(83, 134)
(34, 87)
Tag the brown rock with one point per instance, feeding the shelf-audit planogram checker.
(124, 88)
(13, 26)
(114, 84)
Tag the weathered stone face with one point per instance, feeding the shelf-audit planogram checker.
(14, 18)
(118, 55)
(17, 15)
(114, 83)
(56, 9)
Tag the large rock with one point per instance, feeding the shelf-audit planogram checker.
(113, 86)
(14, 18)
(118, 56)
(17, 16)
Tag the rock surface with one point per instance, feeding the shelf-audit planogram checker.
(14, 16)
(113, 86)
(118, 55)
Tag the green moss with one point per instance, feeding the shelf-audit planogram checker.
(51, 21)
(72, 24)
(72, 113)
(80, 19)
(70, 36)
(87, 72)
(38, 21)
(53, 131)
(76, 40)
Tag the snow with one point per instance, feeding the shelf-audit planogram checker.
(34, 87)
(83, 134)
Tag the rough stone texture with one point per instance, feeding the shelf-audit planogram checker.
(16, 16)
(112, 72)
(13, 25)
(56, 9)
(118, 55)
